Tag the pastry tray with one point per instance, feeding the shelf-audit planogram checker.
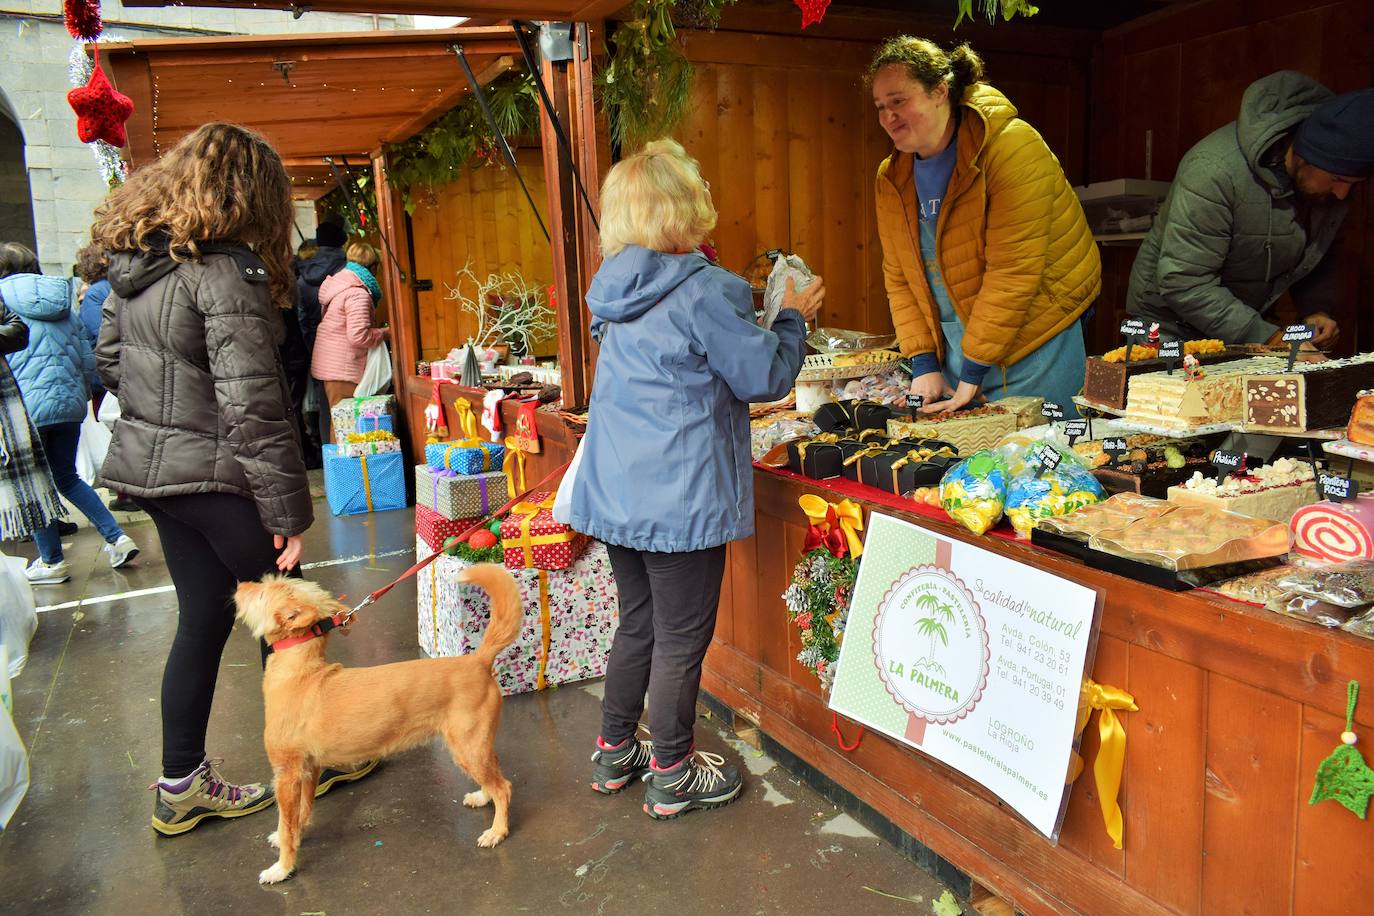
(1172, 580)
(1136, 426)
(820, 367)
(1347, 449)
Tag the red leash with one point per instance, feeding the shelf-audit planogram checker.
(372, 598)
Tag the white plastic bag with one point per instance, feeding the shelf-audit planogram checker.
(91, 448)
(14, 760)
(109, 411)
(788, 265)
(562, 500)
(18, 617)
(377, 374)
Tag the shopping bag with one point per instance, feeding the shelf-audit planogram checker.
(788, 265)
(109, 410)
(18, 618)
(562, 501)
(14, 760)
(92, 446)
(377, 373)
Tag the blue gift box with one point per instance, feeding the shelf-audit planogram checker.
(368, 483)
(467, 456)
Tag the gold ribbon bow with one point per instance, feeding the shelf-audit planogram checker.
(514, 469)
(1111, 755)
(820, 439)
(467, 420)
(525, 513)
(849, 515)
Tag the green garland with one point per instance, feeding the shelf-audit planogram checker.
(818, 605)
(646, 84)
(991, 9)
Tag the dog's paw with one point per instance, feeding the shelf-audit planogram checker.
(477, 800)
(275, 874)
(490, 838)
(273, 840)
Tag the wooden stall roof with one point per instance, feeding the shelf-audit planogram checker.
(314, 95)
(557, 10)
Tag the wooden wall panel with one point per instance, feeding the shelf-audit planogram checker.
(1329, 875)
(1249, 831)
(787, 136)
(482, 215)
(1083, 831)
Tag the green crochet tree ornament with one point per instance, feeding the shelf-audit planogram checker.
(1344, 776)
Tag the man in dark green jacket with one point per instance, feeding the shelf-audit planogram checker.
(1255, 210)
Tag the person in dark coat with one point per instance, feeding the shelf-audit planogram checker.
(1255, 211)
(328, 259)
(206, 442)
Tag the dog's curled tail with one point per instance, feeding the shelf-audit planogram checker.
(507, 608)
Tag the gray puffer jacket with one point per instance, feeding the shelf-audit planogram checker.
(191, 350)
(1233, 235)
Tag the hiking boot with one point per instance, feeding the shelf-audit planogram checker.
(619, 765)
(67, 529)
(121, 551)
(184, 803)
(40, 573)
(699, 780)
(330, 777)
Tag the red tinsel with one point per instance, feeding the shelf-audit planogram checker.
(813, 11)
(83, 19)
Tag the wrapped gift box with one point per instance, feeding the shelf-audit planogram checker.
(363, 415)
(570, 619)
(532, 539)
(434, 529)
(466, 456)
(377, 442)
(455, 495)
(367, 483)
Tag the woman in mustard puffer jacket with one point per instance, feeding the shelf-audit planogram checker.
(987, 257)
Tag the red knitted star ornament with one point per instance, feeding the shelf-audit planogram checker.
(101, 110)
(83, 18)
(813, 11)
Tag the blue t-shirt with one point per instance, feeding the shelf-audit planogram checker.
(932, 181)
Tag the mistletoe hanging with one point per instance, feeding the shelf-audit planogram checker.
(991, 9)
(82, 18)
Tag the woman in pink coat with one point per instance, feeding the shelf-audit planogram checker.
(346, 332)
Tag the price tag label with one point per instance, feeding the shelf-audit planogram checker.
(1075, 430)
(1052, 411)
(1132, 329)
(1294, 335)
(1171, 351)
(1227, 463)
(1115, 447)
(1048, 457)
(1337, 487)
(914, 402)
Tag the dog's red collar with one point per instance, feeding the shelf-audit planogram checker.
(317, 629)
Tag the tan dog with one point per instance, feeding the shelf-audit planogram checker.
(320, 714)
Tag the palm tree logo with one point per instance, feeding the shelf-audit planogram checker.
(931, 627)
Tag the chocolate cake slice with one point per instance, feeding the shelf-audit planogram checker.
(1312, 396)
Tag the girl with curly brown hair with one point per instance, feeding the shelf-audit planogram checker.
(200, 267)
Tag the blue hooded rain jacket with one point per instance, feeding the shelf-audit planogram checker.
(665, 464)
(56, 369)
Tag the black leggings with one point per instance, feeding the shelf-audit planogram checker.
(212, 542)
(668, 607)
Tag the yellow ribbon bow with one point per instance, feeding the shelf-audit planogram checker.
(524, 514)
(467, 420)
(849, 515)
(1111, 755)
(514, 469)
(467, 427)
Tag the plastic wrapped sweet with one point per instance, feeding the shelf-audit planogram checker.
(1349, 584)
(1116, 512)
(1361, 625)
(1194, 538)
(974, 491)
(1315, 610)
(767, 432)
(1260, 588)
(1035, 493)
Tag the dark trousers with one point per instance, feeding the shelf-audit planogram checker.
(212, 542)
(667, 617)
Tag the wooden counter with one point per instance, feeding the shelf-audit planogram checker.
(1237, 707)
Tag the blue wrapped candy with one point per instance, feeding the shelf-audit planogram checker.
(1037, 492)
(974, 491)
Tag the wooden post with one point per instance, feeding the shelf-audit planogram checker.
(574, 241)
(400, 297)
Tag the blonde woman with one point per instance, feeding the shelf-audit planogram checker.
(665, 478)
(987, 257)
(199, 248)
(348, 301)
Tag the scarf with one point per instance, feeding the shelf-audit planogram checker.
(28, 496)
(362, 273)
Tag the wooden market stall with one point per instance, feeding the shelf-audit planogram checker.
(1236, 705)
